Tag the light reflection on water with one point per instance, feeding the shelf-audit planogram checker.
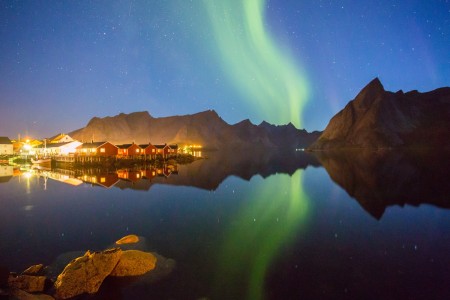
(240, 229)
(271, 215)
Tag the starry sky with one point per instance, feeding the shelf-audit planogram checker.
(64, 62)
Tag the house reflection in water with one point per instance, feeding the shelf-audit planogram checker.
(101, 177)
(134, 175)
(61, 175)
(143, 179)
(6, 173)
(167, 170)
(131, 175)
(139, 179)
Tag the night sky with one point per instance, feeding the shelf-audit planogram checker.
(64, 62)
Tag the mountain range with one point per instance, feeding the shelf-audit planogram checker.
(204, 128)
(374, 119)
(380, 119)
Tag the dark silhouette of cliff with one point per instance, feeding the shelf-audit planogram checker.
(380, 119)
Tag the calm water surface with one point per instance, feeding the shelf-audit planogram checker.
(286, 227)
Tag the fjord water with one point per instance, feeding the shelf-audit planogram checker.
(290, 226)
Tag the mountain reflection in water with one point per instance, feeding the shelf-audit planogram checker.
(205, 174)
(378, 179)
(285, 231)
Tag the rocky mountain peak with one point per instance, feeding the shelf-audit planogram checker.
(245, 122)
(380, 119)
(265, 124)
(372, 91)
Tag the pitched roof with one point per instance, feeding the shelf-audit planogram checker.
(5, 140)
(124, 146)
(143, 146)
(58, 136)
(54, 145)
(93, 145)
(160, 146)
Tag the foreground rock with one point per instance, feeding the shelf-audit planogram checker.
(134, 263)
(22, 295)
(34, 270)
(27, 283)
(85, 274)
(380, 119)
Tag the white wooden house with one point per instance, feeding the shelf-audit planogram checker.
(57, 148)
(60, 138)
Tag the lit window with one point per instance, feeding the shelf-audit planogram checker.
(102, 150)
(153, 150)
(102, 179)
(137, 150)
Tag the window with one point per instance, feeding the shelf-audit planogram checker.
(137, 150)
(102, 150)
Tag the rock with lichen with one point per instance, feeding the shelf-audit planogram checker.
(22, 295)
(27, 283)
(134, 263)
(85, 274)
(34, 270)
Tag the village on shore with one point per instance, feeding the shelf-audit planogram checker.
(64, 149)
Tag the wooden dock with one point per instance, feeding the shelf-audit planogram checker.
(81, 159)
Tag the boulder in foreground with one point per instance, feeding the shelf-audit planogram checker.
(85, 274)
(27, 283)
(134, 263)
(22, 295)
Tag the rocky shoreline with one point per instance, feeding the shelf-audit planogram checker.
(85, 274)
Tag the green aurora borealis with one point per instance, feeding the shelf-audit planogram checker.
(278, 61)
(275, 87)
(276, 211)
(264, 73)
